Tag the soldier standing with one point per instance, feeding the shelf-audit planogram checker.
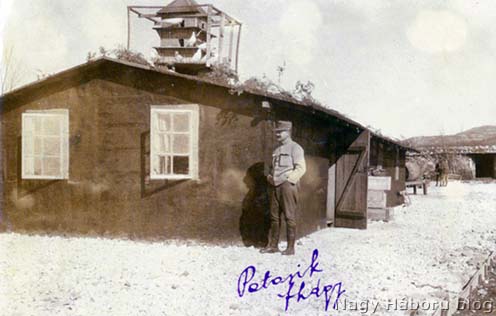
(437, 171)
(288, 166)
(444, 172)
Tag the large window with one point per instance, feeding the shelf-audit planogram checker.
(45, 144)
(174, 142)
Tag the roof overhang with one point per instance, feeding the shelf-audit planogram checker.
(67, 74)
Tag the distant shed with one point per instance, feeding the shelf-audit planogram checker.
(485, 164)
(482, 157)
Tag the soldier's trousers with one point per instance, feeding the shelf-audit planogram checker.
(283, 202)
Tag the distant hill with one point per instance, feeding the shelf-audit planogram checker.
(477, 136)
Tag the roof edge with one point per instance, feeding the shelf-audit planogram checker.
(100, 60)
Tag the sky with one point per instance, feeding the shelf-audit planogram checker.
(406, 68)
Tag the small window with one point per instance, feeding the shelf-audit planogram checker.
(174, 142)
(45, 144)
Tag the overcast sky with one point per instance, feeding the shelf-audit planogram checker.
(405, 67)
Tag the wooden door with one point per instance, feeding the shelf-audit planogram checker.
(352, 183)
(331, 194)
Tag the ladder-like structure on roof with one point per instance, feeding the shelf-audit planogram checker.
(193, 37)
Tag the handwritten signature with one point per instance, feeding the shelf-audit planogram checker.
(295, 292)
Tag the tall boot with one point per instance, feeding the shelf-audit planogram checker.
(272, 245)
(291, 236)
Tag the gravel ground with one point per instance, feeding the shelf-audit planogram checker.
(429, 250)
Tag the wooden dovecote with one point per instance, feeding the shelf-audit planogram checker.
(193, 37)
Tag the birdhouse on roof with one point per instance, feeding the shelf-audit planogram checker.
(194, 37)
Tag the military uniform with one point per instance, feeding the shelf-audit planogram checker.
(444, 172)
(288, 166)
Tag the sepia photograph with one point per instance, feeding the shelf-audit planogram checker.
(259, 158)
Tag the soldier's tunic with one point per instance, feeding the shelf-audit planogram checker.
(288, 166)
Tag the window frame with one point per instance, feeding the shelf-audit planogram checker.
(63, 138)
(193, 110)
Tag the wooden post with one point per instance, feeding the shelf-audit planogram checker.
(209, 37)
(128, 28)
(221, 37)
(231, 38)
(415, 189)
(424, 186)
(237, 47)
(397, 164)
